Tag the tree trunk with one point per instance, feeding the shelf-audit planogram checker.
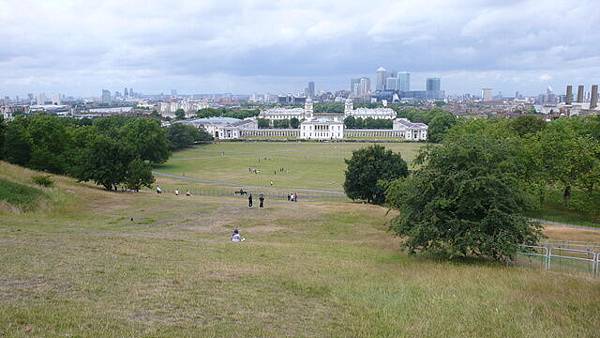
(567, 195)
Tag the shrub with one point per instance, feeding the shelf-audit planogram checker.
(43, 180)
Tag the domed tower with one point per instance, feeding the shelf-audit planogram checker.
(348, 107)
(308, 108)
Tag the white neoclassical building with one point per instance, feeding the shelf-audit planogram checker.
(374, 113)
(224, 128)
(322, 129)
(289, 113)
(411, 131)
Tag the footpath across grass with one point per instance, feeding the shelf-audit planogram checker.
(143, 264)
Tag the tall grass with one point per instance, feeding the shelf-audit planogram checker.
(19, 195)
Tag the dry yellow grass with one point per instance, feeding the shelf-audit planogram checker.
(82, 267)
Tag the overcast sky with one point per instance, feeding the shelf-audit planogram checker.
(206, 46)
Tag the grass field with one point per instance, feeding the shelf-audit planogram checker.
(307, 165)
(95, 263)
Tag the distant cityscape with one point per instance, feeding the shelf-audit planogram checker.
(390, 87)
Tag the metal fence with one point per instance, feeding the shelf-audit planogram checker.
(562, 256)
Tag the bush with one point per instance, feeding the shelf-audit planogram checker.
(369, 170)
(43, 180)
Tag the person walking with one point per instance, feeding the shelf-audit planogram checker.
(261, 198)
(250, 200)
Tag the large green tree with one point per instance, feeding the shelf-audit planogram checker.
(139, 174)
(105, 161)
(439, 126)
(466, 199)
(568, 155)
(369, 169)
(17, 148)
(148, 138)
(182, 136)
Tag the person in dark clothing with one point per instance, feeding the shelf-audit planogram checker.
(261, 198)
(250, 201)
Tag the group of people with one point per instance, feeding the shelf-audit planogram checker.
(293, 197)
(159, 191)
(261, 200)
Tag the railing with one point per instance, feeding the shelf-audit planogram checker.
(571, 257)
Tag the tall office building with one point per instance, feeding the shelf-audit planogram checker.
(310, 90)
(403, 81)
(569, 96)
(131, 93)
(594, 97)
(433, 87)
(580, 94)
(354, 87)
(106, 97)
(391, 83)
(486, 94)
(41, 98)
(433, 84)
(364, 88)
(125, 92)
(381, 76)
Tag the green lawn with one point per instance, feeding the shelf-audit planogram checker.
(307, 165)
(555, 210)
(123, 264)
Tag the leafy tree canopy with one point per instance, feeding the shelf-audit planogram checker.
(369, 170)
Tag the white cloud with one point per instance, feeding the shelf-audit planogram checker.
(78, 46)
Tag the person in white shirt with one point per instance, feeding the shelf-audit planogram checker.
(236, 237)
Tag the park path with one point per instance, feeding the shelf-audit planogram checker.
(566, 225)
(335, 193)
(245, 186)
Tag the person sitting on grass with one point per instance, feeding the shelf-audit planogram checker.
(236, 237)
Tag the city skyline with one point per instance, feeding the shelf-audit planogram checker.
(244, 47)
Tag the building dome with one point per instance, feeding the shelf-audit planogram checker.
(381, 69)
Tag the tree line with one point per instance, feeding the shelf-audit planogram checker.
(351, 122)
(227, 112)
(470, 195)
(114, 152)
(292, 123)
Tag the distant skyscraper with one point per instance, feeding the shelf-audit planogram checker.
(131, 93)
(433, 84)
(173, 92)
(106, 97)
(594, 97)
(125, 92)
(381, 76)
(403, 81)
(580, 94)
(365, 87)
(391, 83)
(486, 94)
(354, 87)
(41, 98)
(310, 90)
(433, 87)
(569, 95)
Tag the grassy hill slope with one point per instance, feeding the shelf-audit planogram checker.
(96, 263)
